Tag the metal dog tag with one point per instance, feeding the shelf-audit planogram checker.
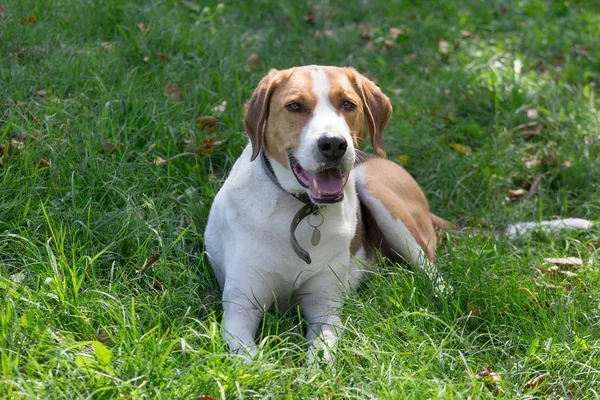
(316, 237)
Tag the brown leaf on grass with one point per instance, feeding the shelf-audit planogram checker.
(492, 379)
(149, 262)
(28, 20)
(388, 45)
(41, 163)
(104, 338)
(395, 33)
(163, 57)
(206, 147)
(207, 397)
(584, 52)
(18, 52)
(532, 113)
(220, 109)
(473, 309)
(363, 31)
(157, 285)
(173, 91)
(592, 246)
(309, 17)
(111, 148)
(106, 46)
(568, 262)
(2, 11)
(465, 34)
(253, 63)
(535, 187)
(207, 123)
(58, 336)
(141, 26)
(443, 47)
(530, 130)
(535, 381)
(159, 161)
(515, 194)
(41, 93)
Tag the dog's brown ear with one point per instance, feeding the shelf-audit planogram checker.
(378, 110)
(257, 110)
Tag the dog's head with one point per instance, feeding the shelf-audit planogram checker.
(310, 120)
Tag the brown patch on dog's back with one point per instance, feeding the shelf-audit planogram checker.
(403, 198)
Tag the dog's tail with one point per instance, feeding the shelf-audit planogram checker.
(522, 229)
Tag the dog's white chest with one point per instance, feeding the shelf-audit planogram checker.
(248, 233)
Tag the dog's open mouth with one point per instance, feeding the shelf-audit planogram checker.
(325, 186)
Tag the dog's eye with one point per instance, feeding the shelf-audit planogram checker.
(293, 107)
(349, 106)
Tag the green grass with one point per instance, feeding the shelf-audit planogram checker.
(77, 319)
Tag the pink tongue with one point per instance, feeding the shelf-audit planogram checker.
(328, 182)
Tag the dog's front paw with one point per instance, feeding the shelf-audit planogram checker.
(320, 352)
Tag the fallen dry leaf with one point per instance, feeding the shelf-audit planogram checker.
(146, 59)
(465, 34)
(492, 379)
(157, 285)
(220, 109)
(104, 338)
(461, 148)
(514, 194)
(584, 52)
(535, 187)
(206, 147)
(395, 33)
(565, 261)
(536, 381)
(532, 113)
(531, 129)
(173, 91)
(42, 93)
(163, 57)
(472, 309)
(141, 26)
(41, 163)
(149, 262)
(58, 336)
(443, 47)
(28, 20)
(207, 123)
(328, 32)
(18, 52)
(106, 46)
(207, 397)
(159, 161)
(253, 63)
(592, 246)
(309, 16)
(111, 148)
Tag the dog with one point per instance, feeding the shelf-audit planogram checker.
(304, 212)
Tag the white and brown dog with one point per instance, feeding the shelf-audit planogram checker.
(300, 222)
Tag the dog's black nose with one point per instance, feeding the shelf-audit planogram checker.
(332, 147)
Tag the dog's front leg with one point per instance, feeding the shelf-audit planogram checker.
(243, 309)
(320, 301)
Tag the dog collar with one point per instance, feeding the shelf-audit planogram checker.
(308, 209)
